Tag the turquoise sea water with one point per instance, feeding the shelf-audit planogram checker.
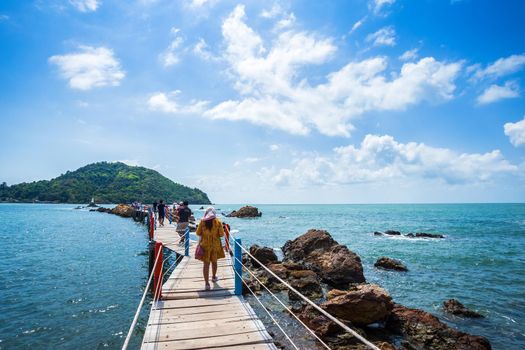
(72, 279)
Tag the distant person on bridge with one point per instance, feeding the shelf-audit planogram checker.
(210, 232)
(162, 212)
(155, 208)
(183, 214)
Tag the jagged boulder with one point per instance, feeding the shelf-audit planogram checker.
(390, 264)
(123, 210)
(392, 233)
(264, 254)
(305, 282)
(361, 305)
(422, 330)
(333, 262)
(245, 212)
(454, 307)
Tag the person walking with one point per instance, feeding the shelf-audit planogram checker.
(155, 208)
(183, 213)
(161, 208)
(210, 232)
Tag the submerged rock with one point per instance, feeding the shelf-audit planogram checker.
(245, 212)
(361, 305)
(264, 254)
(123, 210)
(333, 262)
(390, 264)
(422, 330)
(454, 307)
(392, 233)
(428, 235)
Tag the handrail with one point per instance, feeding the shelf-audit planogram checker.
(314, 305)
(137, 313)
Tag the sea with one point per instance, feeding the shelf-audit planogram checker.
(72, 279)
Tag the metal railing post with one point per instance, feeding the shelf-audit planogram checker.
(187, 241)
(237, 252)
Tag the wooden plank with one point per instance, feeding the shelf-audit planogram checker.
(210, 342)
(199, 294)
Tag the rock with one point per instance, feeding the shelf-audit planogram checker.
(245, 212)
(428, 235)
(79, 207)
(102, 210)
(390, 264)
(306, 283)
(454, 307)
(123, 210)
(321, 325)
(264, 254)
(201, 208)
(423, 330)
(376, 233)
(361, 305)
(392, 233)
(333, 262)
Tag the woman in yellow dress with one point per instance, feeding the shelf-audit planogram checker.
(210, 232)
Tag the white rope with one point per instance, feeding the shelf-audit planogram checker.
(136, 317)
(286, 307)
(268, 312)
(326, 314)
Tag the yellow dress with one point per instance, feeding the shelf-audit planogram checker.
(211, 240)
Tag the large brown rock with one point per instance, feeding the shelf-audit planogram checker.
(422, 330)
(333, 262)
(299, 277)
(390, 264)
(123, 210)
(454, 307)
(264, 254)
(361, 305)
(245, 212)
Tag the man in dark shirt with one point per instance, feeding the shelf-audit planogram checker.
(161, 208)
(184, 213)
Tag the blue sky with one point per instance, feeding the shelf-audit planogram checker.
(359, 101)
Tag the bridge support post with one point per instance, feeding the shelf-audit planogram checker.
(237, 252)
(151, 227)
(157, 274)
(187, 241)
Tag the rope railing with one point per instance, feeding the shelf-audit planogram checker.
(137, 313)
(314, 305)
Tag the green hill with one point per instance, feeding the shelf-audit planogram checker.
(107, 183)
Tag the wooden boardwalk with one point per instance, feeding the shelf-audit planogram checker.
(188, 317)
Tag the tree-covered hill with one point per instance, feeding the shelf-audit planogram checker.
(107, 183)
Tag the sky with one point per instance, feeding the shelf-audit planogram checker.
(353, 101)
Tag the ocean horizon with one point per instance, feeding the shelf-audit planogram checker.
(73, 278)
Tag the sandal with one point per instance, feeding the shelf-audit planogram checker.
(207, 286)
(214, 279)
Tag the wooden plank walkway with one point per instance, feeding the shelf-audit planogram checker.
(189, 317)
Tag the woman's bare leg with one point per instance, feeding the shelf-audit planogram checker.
(214, 268)
(206, 272)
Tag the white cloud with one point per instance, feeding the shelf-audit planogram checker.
(201, 3)
(85, 5)
(89, 67)
(501, 67)
(357, 25)
(384, 36)
(382, 159)
(170, 56)
(516, 132)
(378, 5)
(201, 50)
(409, 55)
(274, 147)
(165, 102)
(274, 11)
(495, 92)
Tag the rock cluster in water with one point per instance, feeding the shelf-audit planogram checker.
(245, 212)
(409, 235)
(454, 307)
(332, 275)
(390, 264)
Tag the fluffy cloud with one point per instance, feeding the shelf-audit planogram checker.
(409, 55)
(501, 67)
(201, 50)
(169, 57)
(85, 5)
(516, 132)
(378, 5)
(166, 103)
(384, 36)
(495, 92)
(382, 158)
(89, 67)
(274, 94)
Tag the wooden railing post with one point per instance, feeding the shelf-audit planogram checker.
(237, 252)
(151, 226)
(157, 274)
